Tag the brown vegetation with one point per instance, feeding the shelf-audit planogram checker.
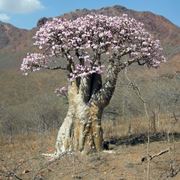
(21, 158)
(29, 113)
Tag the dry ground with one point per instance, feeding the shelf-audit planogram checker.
(21, 158)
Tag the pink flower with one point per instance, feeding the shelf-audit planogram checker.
(61, 91)
(86, 41)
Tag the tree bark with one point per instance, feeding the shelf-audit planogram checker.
(81, 129)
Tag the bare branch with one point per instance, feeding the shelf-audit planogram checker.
(150, 157)
(135, 87)
(103, 96)
(55, 68)
(175, 117)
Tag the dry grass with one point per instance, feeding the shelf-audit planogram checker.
(24, 159)
(22, 156)
(124, 127)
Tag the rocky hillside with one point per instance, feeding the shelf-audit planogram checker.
(15, 39)
(159, 26)
(14, 43)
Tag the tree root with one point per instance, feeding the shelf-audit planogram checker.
(55, 156)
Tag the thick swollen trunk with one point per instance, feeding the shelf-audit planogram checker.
(81, 129)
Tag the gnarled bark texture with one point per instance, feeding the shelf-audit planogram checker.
(81, 129)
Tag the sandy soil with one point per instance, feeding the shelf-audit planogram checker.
(22, 159)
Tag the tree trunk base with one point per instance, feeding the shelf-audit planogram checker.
(81, 131)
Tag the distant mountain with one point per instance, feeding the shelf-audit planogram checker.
(18, 41)
(14, 43)
(13, 38)
(157, 25)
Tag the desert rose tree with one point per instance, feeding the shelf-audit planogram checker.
(90, 46)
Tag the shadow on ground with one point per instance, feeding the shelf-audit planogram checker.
(142, 138)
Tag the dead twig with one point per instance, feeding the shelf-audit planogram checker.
(137, 91)
(7, 172)
(11, 174)
(52, 159)
(150, 157)
(170, 173)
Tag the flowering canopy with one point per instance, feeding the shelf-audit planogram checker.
(86, 41)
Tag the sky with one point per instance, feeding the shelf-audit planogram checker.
(26, 13)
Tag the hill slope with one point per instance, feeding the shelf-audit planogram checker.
(19, 41)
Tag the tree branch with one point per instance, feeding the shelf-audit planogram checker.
(48, 67)
(103, 96)
(150, 157)
(55, 68)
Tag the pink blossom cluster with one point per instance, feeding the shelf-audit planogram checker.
(61, 91)
(84, 40)
(33, 62)
(82, 71)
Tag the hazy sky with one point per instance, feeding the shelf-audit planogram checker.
(25, 13)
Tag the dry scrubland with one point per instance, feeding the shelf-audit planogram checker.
(21, 155)
(30, 114)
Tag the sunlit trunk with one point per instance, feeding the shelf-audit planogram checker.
(87, 97)
(81, 129)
